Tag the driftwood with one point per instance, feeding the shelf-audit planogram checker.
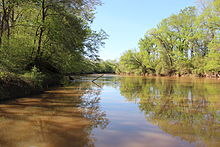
(71, 79)
(97, 84)
(93, 81)
(97, 78)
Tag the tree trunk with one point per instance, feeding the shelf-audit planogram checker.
(42, 29)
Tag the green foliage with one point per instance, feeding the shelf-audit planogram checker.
(184, 43)
(108, 66)
(56, 38)
(213, 58)
(198, 63)
(35, 77)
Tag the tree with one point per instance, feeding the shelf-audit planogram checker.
(213, 58)
(183, 43)
(55, 38)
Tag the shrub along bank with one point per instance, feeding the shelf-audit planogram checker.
(34, 82)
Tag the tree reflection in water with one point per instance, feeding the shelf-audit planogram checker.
(60, 117)
(188, 109)
(66, 116)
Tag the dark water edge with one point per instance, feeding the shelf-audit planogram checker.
(12, 87)
(205, 76)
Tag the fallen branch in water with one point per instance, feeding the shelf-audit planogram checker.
(97, 78)
(97, 84)
(71, 78)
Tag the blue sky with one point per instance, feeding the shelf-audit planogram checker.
(126, 21)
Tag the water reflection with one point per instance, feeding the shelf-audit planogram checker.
(187, 109)
(139, 112)
(60, 117)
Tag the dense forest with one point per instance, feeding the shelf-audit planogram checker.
(187, 43)
(42, 41)
(49, 36)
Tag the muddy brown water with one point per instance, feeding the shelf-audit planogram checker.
(116, 112)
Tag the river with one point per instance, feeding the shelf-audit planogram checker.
(116, 111)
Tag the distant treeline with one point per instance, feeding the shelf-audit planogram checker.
(182, 44)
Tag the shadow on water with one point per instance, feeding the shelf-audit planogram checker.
(59, 117)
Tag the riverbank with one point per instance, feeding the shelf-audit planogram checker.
(14, 85)
(206, 76)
